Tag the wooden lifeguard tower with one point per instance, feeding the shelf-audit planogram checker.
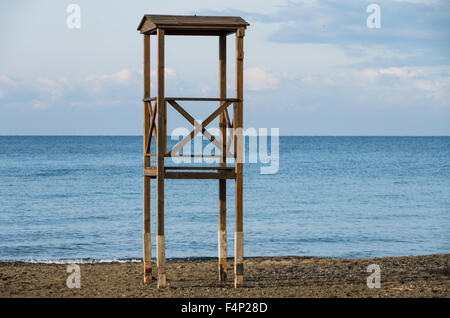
(155, 123)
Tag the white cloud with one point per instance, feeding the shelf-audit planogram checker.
(205, 88)
(257, 79)
(2, 95)
(426, 2)
(168, 72)
(395, 72)
(37, 105)
(369, 75)
(422, 86)
(437, 88)
(121, 77)
(5, 79)
(402, 72)
(49, 90)
(425, 85)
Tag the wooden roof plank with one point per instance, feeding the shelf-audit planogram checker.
(191, 25)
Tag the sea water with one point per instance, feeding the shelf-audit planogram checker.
(80, 198)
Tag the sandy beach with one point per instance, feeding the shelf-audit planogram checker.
(409, 276)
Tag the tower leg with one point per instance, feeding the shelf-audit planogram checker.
(160, 239)
(238, 237)
(160, 151)
(222, 233)
(238, 152)
(146, 240)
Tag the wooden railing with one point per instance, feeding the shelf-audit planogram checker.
(198, 126)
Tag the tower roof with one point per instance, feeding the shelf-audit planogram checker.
(191, 25)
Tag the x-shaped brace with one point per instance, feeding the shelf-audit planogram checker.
(199, 127)
(152, 125)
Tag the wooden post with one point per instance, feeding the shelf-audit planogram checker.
(146, 240)
(222, 232)
(161, 145)
(238, 153)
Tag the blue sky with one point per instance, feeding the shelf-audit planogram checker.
(311, 67)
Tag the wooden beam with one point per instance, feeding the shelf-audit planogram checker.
(222, 228)
(203, 99)
(191, 156)
(238, 153)
(152, 127)
(187, 156)
(150, 172)
(219, 174)
(160, 151)
(198, 168)
(150, 109)
(146, 238)
(229, 143)
(227, 119)
(199, 175)
(223, 94)
(190, 32)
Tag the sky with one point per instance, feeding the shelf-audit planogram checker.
(312, 67)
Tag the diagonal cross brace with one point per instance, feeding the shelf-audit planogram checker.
(199, 127)
(227, 119)
(152, 126)
(191, 120)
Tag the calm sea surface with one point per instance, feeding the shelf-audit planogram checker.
(80, 198)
